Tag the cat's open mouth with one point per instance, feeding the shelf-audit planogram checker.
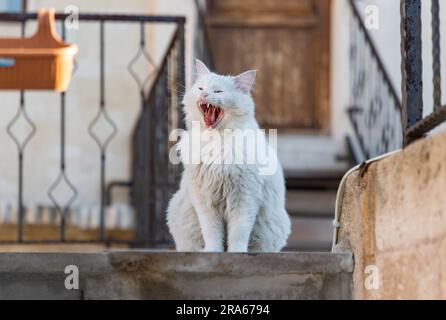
(212, 115)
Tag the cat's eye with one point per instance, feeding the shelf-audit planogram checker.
(200, 88)
(218, 91)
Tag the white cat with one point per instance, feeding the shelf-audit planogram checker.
(222, 206)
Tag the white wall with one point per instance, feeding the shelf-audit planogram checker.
(340, 80)
(42, 154)
(184, 8)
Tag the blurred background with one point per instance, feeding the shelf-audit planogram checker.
(90, 166)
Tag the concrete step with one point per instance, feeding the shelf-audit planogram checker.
(312, 213)
(313, 179)
(172, 275)
(309, 234)
(311, 203)
(304, 153)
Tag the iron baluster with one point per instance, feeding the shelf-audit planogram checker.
(20, 151)
(436, 50)
(411, 65)
(62, 176)
(102, 144)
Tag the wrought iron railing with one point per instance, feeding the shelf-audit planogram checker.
(380, 122)
(375, 110)
(414, 125)
(153, 176)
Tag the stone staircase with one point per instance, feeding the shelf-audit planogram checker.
(311, 198)
(313, 166)
(172, 275)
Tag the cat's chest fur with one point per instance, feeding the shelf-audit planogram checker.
(220, 180)
(222, 174)
(222, 185)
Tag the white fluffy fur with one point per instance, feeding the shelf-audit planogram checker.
(227, 207)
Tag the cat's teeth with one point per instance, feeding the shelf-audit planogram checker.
(207, 108)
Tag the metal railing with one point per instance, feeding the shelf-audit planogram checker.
(375, 109)
(159, 113)
(414, 125)
(380, 121)
(155, 178)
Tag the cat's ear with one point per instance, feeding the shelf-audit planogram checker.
(245, 81)
(200, 68)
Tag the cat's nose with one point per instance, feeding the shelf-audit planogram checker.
(204, 94)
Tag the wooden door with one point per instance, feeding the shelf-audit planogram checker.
(287, 41)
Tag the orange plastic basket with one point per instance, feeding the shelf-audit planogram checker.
(41, 62)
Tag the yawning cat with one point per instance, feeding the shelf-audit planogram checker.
(221, 204)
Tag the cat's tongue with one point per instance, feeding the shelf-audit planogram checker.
(211, 116)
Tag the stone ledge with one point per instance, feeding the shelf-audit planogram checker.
(145, 274)
(394, 218)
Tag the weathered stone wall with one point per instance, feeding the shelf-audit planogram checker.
(394, 217)
(172, 275)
